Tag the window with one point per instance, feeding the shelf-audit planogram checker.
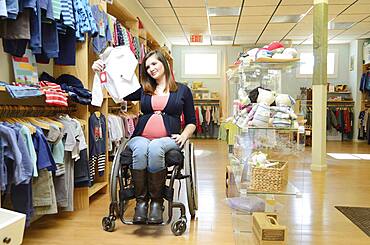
(201, 64)
(307, 62)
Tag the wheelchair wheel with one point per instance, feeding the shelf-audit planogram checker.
(191, 182)
(115, 178)
(178, 227)
(108, 224)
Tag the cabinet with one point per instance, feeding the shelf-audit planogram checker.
(268, 190)
(11, 227)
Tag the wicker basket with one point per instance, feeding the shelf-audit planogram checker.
(272, 179)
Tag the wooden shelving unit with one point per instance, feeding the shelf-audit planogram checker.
(84, 59)
(97, 187)
(365, 96)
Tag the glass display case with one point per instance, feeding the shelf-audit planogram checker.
(266, 164)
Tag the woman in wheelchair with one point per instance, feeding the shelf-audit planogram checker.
(163, 101)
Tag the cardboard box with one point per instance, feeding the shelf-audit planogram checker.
(266, 229)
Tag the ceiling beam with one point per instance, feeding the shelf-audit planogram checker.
(237, 24)
(268, 22)
(304, 15)
(208, 22)
(178, 21)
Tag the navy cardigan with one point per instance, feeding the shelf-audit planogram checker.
(179, 102)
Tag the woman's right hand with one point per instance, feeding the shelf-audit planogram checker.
(98, 66)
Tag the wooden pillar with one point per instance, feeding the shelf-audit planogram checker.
(319, 84)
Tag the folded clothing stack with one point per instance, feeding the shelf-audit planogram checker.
(71, 85)
(283, 116)
(281, 120)
(21, 92)
(259, 115)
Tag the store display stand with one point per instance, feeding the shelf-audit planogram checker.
(282, 144)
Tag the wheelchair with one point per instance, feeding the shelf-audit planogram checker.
(180, 166)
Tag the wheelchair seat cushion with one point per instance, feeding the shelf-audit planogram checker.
(172, 157)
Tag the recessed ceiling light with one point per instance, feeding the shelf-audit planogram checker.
(222, 38)
(234, 11)
(340, 25)
(286, 18)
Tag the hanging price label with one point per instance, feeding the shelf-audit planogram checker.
(103, 77)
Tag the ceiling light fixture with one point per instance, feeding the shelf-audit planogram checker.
(286, 18)
(223, 38)
(232, 11)
(340, 25)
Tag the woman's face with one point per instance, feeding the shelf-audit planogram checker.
(154, 67)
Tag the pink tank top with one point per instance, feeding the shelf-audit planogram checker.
(155, 128)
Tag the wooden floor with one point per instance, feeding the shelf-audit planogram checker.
(311, 219)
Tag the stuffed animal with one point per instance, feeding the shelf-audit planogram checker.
(258, 159)
(259, 116)
(284, 100)
(265, 96)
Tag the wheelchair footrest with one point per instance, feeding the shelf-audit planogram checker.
(127, 194)
(182, 176)
(168, 193)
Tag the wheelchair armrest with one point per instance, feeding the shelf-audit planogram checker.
(126, 157)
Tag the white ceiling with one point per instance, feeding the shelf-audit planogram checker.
(178, 19)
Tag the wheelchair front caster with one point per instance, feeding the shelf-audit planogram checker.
(108, 224)
(178, 227)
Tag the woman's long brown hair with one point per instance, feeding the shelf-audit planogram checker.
(149, 84)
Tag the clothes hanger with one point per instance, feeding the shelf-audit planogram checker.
(56, 123)
(24, 123)
(97, 114)
(42, 125)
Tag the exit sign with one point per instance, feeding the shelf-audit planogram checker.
(196, 38)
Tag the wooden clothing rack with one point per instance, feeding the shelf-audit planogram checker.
(33, 110)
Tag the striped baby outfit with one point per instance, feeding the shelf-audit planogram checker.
(53, 93)
(67, 13)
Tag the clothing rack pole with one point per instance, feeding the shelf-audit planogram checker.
(23, 111)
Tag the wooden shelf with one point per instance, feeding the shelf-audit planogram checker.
(334, 102)
(348, 92)
(97, 187)
(272, 60)
(2, 88)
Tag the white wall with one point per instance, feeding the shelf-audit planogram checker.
(228, 55)
(293, 87)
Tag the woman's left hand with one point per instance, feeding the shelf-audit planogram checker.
(180, 139)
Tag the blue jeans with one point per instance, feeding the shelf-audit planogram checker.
(149, 154)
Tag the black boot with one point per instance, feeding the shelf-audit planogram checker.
(156, 182)
(139, 178)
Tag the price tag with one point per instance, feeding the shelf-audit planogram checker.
(103, 77)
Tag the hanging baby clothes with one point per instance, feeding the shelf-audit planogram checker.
(67, 13)
(97, 144)
(43, 190)
(115, 131)
(104, 35)
(85, 22)
(120, 80)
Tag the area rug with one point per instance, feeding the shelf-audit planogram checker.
(359, 216)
